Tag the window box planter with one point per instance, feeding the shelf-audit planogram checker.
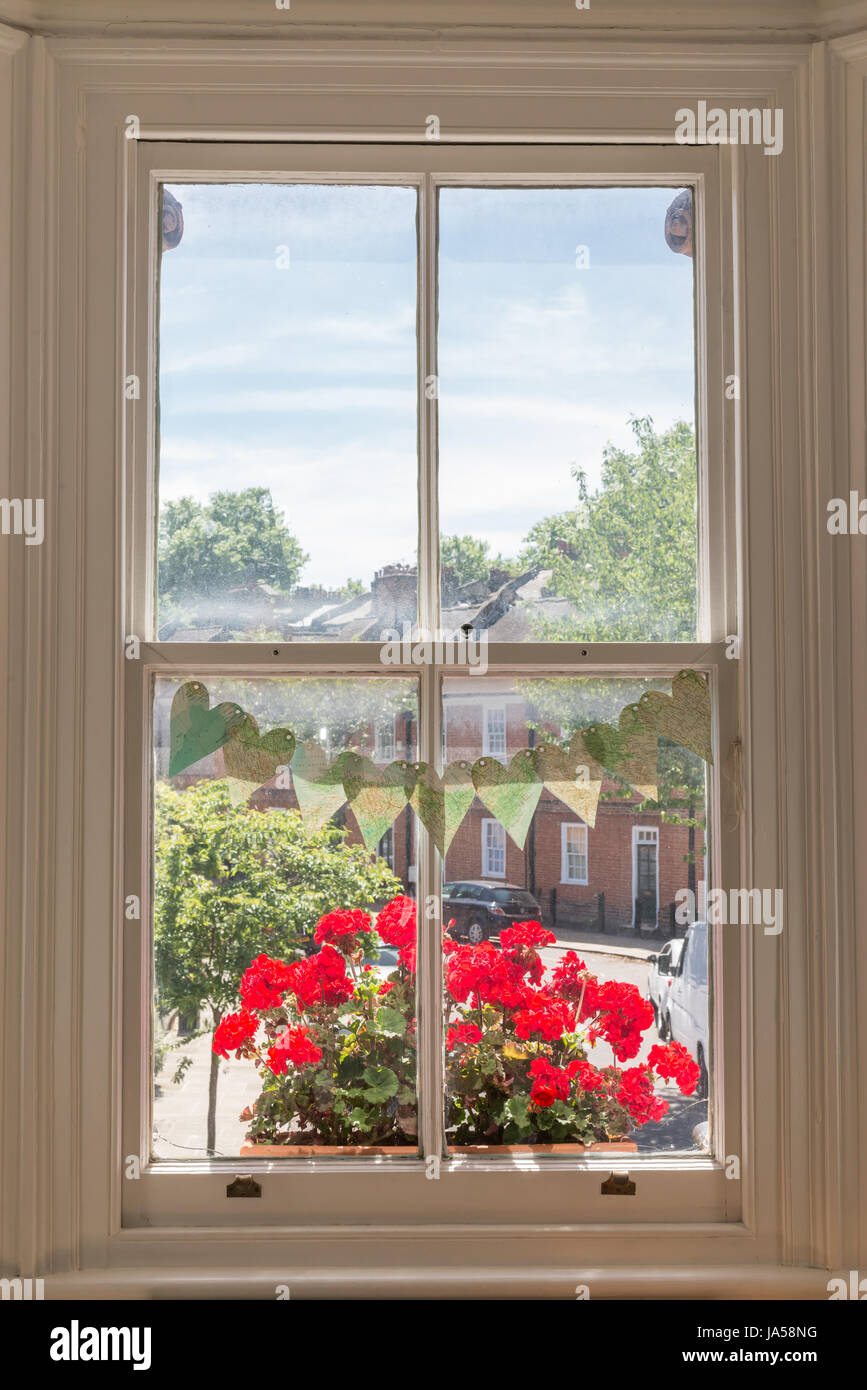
(253, 1150)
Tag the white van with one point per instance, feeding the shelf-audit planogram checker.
(688, 1001)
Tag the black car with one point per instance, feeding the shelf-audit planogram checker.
(481, 909)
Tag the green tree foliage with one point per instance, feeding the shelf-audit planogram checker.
(470, 559)
(625, 555)
(205, 549)
(231, 882)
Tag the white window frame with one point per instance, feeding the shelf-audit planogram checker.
(488, 749)
(384, 749)
(764, 283)
(565, 828)
(427, 169)
(489, 824)
(644, 835)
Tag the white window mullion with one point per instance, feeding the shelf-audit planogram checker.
(429, 989)
(428, 497)
(429, 975)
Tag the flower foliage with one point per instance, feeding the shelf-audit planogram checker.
(335, 1043)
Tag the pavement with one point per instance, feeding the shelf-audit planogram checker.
(627, 944)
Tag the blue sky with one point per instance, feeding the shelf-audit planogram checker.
(304, 379)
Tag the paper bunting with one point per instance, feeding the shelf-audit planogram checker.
(572, 775)
(195, 730)
(252, 758)
(683, 716)
(510, 793)
(318, 787)
(629, 751)
(442, 802)
(460, 793)
(377, 798)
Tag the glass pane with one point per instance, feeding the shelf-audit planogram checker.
(287, 412)
(566, 415)
(560, 1028)
(284, 917)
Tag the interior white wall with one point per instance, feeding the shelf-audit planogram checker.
(45, 1201)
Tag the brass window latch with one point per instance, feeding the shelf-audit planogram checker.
(244, 1187)
(618, 1184)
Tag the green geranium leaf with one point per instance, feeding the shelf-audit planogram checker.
(517, 1109)
(381, 1084)
(390, 1022)
(350, 1068)
(362, 1119)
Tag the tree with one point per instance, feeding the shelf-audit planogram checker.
(207, 548)
(625, 555)
(470, 559)
(232, 882)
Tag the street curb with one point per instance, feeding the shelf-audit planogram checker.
(606, 948)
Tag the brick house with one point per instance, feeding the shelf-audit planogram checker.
(626, 869)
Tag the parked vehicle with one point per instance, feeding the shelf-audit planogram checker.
(688, 1001)
(660, 978)
(482, 909)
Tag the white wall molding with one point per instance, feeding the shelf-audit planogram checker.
(764, 20)
(465, 1280)
(804, 345)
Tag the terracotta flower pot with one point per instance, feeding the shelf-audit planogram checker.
(252, 1150)
(623, 1146)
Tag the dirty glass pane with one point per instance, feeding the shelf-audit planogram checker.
(284, 916)
(567, 452)
(287, 448)
(564, 878)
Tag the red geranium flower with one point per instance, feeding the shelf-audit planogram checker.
(465, 1034)
(293, 1046)
(321, 979)
(234, 1030)
(589, 1078)
(550, 1083)
(569, 978)
(549, 1017)
(342, 929)
(624, 1015)
(264, 982)
(396, 922)
(673, 1063)
(636, 1095)
(519, 944)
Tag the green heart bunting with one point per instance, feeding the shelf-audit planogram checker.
(510, 793)
(252, 758)
(377, 798)
(683, 716)
(459, 793)
(628, 751)
(195, 730)
(442, 802)
(318, 787)
(573, 776)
